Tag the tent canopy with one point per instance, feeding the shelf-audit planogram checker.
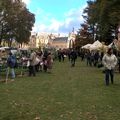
(86, 46)
(96, 45)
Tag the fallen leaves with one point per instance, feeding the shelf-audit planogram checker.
(37, 118)
(90, 116)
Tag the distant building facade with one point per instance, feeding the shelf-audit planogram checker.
(41, 40)
(52, 40)
(71, 40)
(32, 43)
(59, 42)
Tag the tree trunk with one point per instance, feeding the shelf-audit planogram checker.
(93, 32)
(1, 34)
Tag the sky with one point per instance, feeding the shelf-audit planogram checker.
(56, 16)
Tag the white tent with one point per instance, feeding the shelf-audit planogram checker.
(86, 46)
(23, 48)
(6, 47)
(96, 45)
(2, 49)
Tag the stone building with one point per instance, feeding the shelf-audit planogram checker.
(59, 42)
(32, 43)
(71, 40)
(52, 40)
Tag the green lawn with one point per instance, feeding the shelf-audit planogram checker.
(67, 94)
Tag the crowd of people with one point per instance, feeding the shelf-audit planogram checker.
(70, 53)
(109, 60)
(37, 61)
(33, 61)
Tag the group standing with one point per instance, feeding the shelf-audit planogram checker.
(43, 61)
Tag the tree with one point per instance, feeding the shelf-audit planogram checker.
(25, 23)
(83, 36)
(90, 16)
(16, 21)
(102, 17)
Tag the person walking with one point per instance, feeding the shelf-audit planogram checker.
(49, 62)
(59, 55)
(109, 61)
(88, 55)
(73, 56)
(96, 58)
(63, 55)
(11, 61)
(68, 54)
(32, 64)
(44, 59)
(37, 63)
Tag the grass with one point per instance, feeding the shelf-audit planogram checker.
(67, 94)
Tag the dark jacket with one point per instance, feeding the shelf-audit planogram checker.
(11, 61)
(73, 55)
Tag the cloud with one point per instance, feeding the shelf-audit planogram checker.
(26, 1)
(72, 18)
(55, 25)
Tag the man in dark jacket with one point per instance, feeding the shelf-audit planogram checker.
(11, 61)
(73, 56)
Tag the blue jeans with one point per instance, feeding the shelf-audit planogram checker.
(12, 72)
(109, 74)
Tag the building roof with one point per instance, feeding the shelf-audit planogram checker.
(60, 39)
